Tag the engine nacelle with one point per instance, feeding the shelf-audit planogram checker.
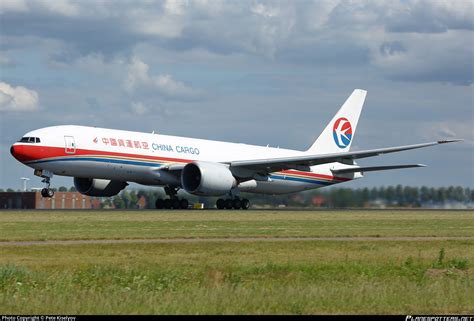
(209, 179)
(98, 187)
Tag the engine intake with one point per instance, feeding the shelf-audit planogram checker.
(208, 179)
(98, 187)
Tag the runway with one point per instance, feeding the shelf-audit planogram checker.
(236, 239)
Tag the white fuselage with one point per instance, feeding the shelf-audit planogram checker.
(81, 151)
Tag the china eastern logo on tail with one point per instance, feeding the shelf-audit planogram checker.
(342, 132)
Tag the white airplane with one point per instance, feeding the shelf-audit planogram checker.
(102, 161)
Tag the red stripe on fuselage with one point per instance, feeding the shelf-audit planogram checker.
(29, 153)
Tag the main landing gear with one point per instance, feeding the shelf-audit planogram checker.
(173, 202)
(235, 203)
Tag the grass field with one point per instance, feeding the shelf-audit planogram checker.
(295, 277)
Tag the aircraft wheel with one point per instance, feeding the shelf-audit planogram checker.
(47, 192)
(245, 204)
(184, 204)
(167, 203)
(228, 204)
(159, 204)
(220, 204)
(237, 204)
(175, 204)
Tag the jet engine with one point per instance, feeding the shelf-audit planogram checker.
(207, 179)
(98, 187)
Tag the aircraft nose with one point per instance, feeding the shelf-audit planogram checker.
(14, 151)
(20, 152)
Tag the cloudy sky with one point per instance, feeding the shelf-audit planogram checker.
(259, 72)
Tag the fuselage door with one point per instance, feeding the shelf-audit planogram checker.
(70, 145)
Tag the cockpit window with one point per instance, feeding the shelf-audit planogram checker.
(30, 140)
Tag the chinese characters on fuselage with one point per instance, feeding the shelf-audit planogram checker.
(135, 144)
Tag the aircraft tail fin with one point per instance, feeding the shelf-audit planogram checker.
(339, 133)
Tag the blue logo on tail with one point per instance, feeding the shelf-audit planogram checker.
(342, 132)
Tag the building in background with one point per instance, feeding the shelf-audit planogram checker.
(34, 200)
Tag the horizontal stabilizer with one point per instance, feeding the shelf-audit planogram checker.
(373, 168)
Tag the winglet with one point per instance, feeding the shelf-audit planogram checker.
(373, 168)
(446, 141)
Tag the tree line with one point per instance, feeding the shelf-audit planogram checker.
(384, 196)
(391, 196)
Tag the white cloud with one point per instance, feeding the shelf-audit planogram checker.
(17, 98)
(176, 7)
(6, 60)
(264, 11)
(138, 108)
(426, 16)
(138, 78)
(322, 33)
(424, 57)
(430, 130)
(63, 7)
(137, 75)
(13, 5)
(172, 87)
(164, 26)
(167, 22)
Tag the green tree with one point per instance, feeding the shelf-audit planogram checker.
(133, 199)
(72, 189)
(374, 194)
(341, 197)
(399, 197)
(118, 202)
(441, 195)
(390, 194)
(434, 195)
(425, 195)
(106, 203)
(126, 198)
(62, 189)
(459, 194)
(450, 194)
(365, 196)
(467, 194)
(382, 193)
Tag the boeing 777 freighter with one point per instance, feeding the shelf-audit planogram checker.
(102, 161)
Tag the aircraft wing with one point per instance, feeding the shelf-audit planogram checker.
(303, 162)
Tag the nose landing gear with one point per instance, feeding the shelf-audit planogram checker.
(46, 175)
(47, 192)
